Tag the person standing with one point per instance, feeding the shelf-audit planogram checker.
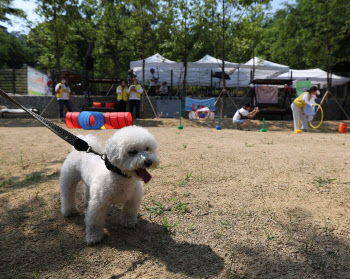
(298, 107)
(63, 94)
(122, 96)
(135, 91)
(153, 83)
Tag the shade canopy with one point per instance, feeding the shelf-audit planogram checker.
(165, 69)
(316, 76)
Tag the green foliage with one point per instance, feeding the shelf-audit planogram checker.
(307, 34)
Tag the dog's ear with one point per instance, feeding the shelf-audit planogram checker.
(112, 150)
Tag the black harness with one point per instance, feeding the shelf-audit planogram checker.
(78, 143)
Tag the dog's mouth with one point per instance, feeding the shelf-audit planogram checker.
(144, 175)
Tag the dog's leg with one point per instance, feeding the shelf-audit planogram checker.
(95, 221)
(86, 193)
(68, 185)
(131, 208)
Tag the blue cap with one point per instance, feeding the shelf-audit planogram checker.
(152, 69)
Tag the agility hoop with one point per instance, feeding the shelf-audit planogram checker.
(315, 127)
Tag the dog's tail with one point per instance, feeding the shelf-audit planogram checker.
(93, 142)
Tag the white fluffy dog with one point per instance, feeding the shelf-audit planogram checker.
(130, 151)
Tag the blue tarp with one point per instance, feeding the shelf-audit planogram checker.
(198, 102)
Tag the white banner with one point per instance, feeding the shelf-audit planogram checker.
(37, 82)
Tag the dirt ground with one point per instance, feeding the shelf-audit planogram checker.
(222, 204)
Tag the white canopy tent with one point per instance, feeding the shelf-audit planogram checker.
(266, 69)
(199, 72)
(163, 67)
(316, 76)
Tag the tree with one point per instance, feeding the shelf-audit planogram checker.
(6, 9)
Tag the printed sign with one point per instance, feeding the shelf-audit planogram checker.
(302, 86)
(168, 108)
(37, 82)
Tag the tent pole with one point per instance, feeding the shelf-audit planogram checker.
(171, 91)
(211, 81)
(237, 80)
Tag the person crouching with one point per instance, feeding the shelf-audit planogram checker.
(241, 116)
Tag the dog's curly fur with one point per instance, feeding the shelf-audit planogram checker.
(131, 149)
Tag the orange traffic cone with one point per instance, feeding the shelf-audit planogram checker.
(342, 128)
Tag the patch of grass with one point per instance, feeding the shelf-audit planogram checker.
(268, 235)
(34, 178)
(181, 207)
(157, 208)
(185, 181)
(53, 174)
(249, 145)
(210, 146)
(167, 226)
(227, 224)
(18, 216)
(6, 183)
(185, 145)
(36, 276)
(321, 182)
(230, 273)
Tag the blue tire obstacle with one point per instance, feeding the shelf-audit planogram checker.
(91, 120)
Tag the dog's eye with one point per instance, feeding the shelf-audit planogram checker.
(132, 152)
(147, 148)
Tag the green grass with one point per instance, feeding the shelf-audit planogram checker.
(249, 145)
(157, 208)
(182, 208)
(34, 178)
(6, 183)
(167, 226)
(322, 181)
(185, 181)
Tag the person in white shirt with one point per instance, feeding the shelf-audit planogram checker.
(153, 83)
(241, 115)
(163, 90)
(63, 94)
(135, 91)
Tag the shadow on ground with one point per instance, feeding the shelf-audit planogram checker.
(35, 240)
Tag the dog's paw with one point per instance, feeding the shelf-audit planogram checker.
(69, 211)
(128, 222)
(94, 237)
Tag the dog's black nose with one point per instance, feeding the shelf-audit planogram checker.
(148, 163)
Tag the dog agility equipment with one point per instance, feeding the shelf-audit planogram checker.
(180, 126)
(72, 120)
(218, 127)
(298, 131)
(91, 120)
(263, 127)
(342, 128)
(78, 143)
(110, 120)
(319, 124)
(117, 120)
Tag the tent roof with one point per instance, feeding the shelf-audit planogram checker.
(155, 60)
(316, 75)
(211, 62)
(261, 62)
